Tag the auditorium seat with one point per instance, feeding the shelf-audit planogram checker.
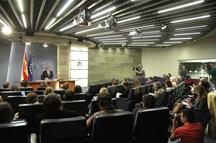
(122, 103)
(143, 90)
(5, 94)
(26, 89)
(75, 105)
(112, 127)
(60, 92)
(80, 96)
(29, 112)
(15, 101)
(14, 132)
(152, 125)
(41, 88)
(64, 130)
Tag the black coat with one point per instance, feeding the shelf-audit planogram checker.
(45, 75)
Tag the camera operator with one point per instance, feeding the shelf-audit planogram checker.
(140, 73)
(189, 132)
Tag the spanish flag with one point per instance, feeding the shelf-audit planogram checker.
(25, 73)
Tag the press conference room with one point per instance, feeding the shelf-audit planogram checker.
(108, 71)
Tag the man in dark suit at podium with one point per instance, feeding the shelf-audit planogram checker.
(47, 74)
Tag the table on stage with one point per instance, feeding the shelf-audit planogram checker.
(53, 84)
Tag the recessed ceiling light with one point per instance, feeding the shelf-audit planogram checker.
(64, 7)
(173, 42)
(140, 37)
(50, 23)
(139, 43)
(145, 40)
(6, 30)
(162, 45)
(192, 27)
(24, 20)
(190, 19)
(112, 39)
(183, 34)
(103, 12)
(184, 38)
(110, 36)
(129, 19)
(181, 6)
(20, 4)
(140, 27)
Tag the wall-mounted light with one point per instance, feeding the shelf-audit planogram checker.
(6, 30)
(27, 43)
(45, 45)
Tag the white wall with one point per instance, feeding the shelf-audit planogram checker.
(159, 61)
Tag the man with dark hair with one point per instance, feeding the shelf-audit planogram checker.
(47, 74)
(53, 106)
(6, 112)
(190, 132)
(6, 84)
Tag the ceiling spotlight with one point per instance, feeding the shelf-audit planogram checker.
(6, 30)
(163, 26)
(124, 44)
(27, 43)
(45, 45)
(134, 32)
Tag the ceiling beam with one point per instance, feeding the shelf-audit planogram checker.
(68, 13)
(40, 13)
(7, 16)
(15, 13)
(50, 12)
(31, 13)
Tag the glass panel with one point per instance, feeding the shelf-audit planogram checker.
(79, 55)
(79, 73)
(79, 65)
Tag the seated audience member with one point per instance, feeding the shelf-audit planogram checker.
(14, 87)
(212, 110)
(125, 89)
(43, 84)
(158, 90)
(190, 132)
(77, 89)
(69, 95)
(149, 80)
(103, 91)
(198, 102)
(54, 110)
(174, 81)
(168, 84)
(105, 105)
(6, 84)
(205, 83)
(25, 83)
(113, 88)
(31, 97)
(65, 86)
(1, 100)
(6, 112)
(48, 90)
(148, 101)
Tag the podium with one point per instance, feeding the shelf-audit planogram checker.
(53, 84)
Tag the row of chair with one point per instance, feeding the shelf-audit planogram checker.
(112, 127)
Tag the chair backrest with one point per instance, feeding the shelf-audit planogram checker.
(112, 127)
(64, 130)
(75, 105)
(163, 99)
(143, 89)
(60, 92)
(29, 112)
(26, 89)
(152, 125)
(80, 96)
(14, 132)
(15, 101)
(203, 117)
(122, 103)
(41, 88)
(5, 94)
(112, 91)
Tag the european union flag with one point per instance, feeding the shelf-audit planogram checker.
(30, 72)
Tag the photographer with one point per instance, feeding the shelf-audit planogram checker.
(189, 132)
(140, 73)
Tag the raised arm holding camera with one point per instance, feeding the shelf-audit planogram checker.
(140, 72)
